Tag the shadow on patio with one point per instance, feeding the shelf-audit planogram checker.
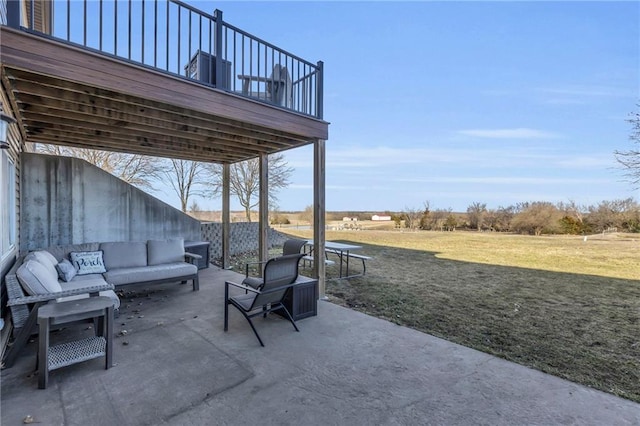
(175, 365)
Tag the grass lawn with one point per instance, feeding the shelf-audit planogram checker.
(559, 304)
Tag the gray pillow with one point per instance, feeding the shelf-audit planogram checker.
(36, 279)
(165, 251)
(87, 262)
(66, 270)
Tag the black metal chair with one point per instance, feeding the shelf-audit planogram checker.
(280, 274)
(290, 246)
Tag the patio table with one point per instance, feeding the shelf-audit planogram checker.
(343, 251)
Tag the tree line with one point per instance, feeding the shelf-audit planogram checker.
(534, 218)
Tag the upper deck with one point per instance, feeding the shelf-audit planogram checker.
(155, 77)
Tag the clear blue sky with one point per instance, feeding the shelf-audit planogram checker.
(460, 102)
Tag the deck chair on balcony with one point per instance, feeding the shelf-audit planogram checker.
(280, 86)
(280, 274)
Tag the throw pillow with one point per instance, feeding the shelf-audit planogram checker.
(35, 279)
(66, 271)
(87, 262)
(45, 258)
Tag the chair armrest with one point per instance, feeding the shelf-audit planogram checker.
(53, 296)
(192, 258)
(279, 288)
(242, 286)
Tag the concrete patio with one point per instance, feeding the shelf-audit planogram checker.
(176, 366)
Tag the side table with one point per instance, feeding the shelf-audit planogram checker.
(62, 355)
(201, 248)
(301, 300)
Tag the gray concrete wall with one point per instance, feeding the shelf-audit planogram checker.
(69, 201)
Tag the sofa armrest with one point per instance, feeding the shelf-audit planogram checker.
(95, 289)
(192, 258)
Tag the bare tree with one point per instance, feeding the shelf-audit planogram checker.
(187, 178)
(245, 181)
(451, 223)
(195, 207)
(536, 218)
(573, 220)
(424, 219)
(476, 213)
(138, 170)
(412, 217)
(503, 217)
(307, 214)
(619, 214)
(630, 160)
(439, 219)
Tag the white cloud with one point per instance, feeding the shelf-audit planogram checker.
(587, 162)
(359, 160)
(384, 162)
(587, 91)
(505, 180)
(517, 133)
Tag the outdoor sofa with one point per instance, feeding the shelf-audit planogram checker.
(61, 273)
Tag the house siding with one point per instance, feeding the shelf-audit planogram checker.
(16, 143)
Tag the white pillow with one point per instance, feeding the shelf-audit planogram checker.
(87, 262)
(35, 278)
(45, 258)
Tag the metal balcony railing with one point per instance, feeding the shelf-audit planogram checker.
(175, 38)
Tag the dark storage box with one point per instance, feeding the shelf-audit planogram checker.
(201, 248)
(302, 299)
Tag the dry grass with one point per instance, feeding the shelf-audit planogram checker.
(562, 305)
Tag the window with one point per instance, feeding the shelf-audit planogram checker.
(8, 202)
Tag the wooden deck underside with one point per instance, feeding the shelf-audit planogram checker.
(65, 95)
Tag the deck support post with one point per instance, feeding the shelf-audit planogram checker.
(263, 226)
(226, 216)
(319, 214)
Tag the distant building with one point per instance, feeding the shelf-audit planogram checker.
(349, 219)
(380, 217)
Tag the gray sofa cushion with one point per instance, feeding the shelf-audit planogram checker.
(165, 251)
(62, 252)
(81, 281)
(35, 278)
(124, 254)
(109, 293)
(150, 273)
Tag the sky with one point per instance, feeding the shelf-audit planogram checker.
(453, 103)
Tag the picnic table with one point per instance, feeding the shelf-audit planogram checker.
(344, 252)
